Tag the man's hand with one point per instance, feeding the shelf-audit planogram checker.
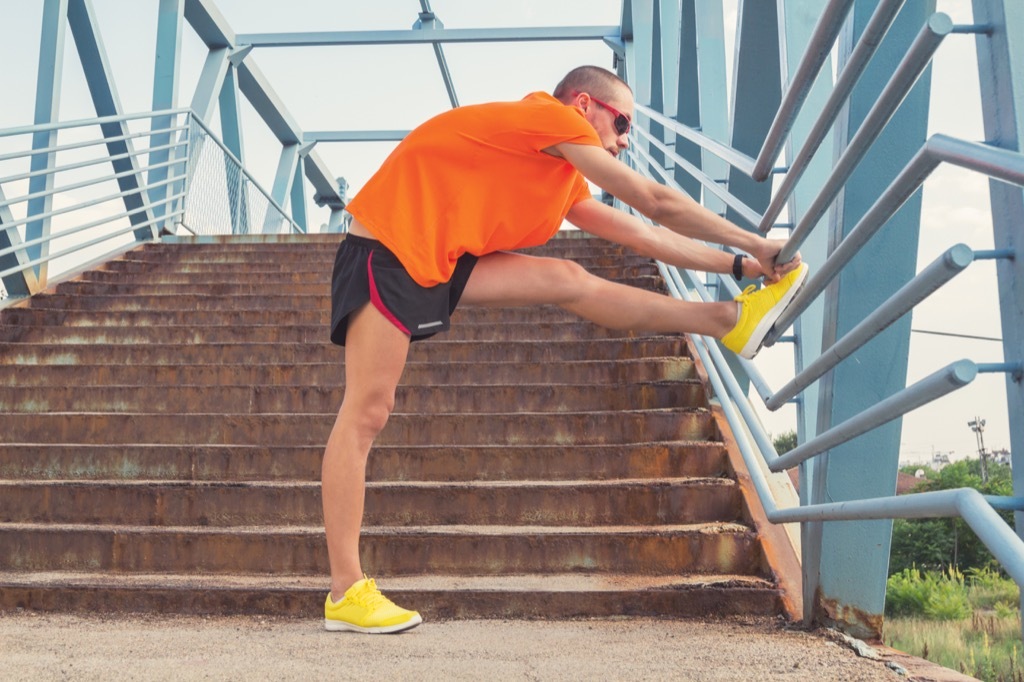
(766, 264)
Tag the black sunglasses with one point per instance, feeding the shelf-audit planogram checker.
(621, 123)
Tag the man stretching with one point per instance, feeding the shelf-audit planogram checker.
(434, 227)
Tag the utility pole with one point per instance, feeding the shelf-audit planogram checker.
(978, 426)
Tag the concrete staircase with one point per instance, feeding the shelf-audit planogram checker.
(162, 420)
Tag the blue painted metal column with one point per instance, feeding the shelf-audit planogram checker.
(757, 91)
(713, 98)
(797, 19)
(23, 283)
(855, 554)
(1001, 76)
(170, 21)
(687, 94)
(231, 131)
(48, 82)
(81, 18)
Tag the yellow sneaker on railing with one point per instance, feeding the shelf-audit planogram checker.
(759, 309)
(365, 609)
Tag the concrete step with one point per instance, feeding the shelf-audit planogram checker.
(332, 373)
(258, 288)
(215, 263)
(436, 349)
(461, 399)
(261, 503)
(568, 428)
(271, 333)
(301, 273)
(435, 462)
(457, 549)
(436, 597)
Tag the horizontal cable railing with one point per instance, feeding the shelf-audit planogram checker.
(77, 193)
(1000, 164)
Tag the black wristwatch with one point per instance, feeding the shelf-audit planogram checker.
(737, 267)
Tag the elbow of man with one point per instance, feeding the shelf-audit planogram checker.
(652, 203)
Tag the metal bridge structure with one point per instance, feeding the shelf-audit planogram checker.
(823, 139)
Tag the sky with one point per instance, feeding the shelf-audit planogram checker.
(397, 87)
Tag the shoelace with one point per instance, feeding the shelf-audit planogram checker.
(370, 596)
(748, 291)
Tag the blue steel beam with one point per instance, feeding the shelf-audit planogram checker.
(687, 93)
(170, 22)
(48, 86)
(413, 37)
(22, 282)
(354, 135)
(82, 21)
(854, 556)
(213, 29)
(1001, 76)
(231, 130)
(799, 45)
(711, 82)
(428, 21)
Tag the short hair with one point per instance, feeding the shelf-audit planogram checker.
(589, 79)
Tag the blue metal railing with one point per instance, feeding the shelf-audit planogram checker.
(1005, 164)
(87, 213)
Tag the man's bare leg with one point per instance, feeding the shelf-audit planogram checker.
(517, 279)
(375, 354)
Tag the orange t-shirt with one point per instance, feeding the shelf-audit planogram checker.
(474, 180)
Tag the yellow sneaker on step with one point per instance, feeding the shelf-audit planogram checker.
(759, 309)
(365, 609)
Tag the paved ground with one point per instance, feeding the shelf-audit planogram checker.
(58, 646)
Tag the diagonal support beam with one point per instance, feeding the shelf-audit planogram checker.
(428, 21)
(48, 82)
(170, 21)
(82, 21)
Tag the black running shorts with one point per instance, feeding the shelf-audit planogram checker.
(366, 271)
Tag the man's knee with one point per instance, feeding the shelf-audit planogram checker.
(572, 279)
(369, 414)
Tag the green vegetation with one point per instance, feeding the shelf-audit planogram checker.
(968, 623)
(784, 442)
(934, 544)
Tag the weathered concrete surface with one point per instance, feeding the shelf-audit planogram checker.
(35, 646)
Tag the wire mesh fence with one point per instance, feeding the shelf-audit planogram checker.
(221, 197)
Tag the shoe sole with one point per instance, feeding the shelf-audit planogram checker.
(342, 626)
(753, 345)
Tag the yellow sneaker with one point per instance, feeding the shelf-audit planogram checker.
(759, 310)
(365, 609)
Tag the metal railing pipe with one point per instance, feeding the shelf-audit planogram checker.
(819, 47)
(82, 122)
(92, 242)
(87, 204)
(867, 44)
(84, 183)
(748, 214)
(86, 226)
(948, 379)
(85, 164)
(907, 72)
(733, 157)
(941, 270)
(88, 143)
(967, 503)
(1003, 164)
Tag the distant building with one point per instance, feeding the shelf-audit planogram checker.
(1002, 457)
(940, 459)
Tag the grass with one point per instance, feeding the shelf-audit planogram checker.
(970, 624)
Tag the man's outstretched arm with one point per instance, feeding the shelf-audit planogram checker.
(608, 223)
(670, 208)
